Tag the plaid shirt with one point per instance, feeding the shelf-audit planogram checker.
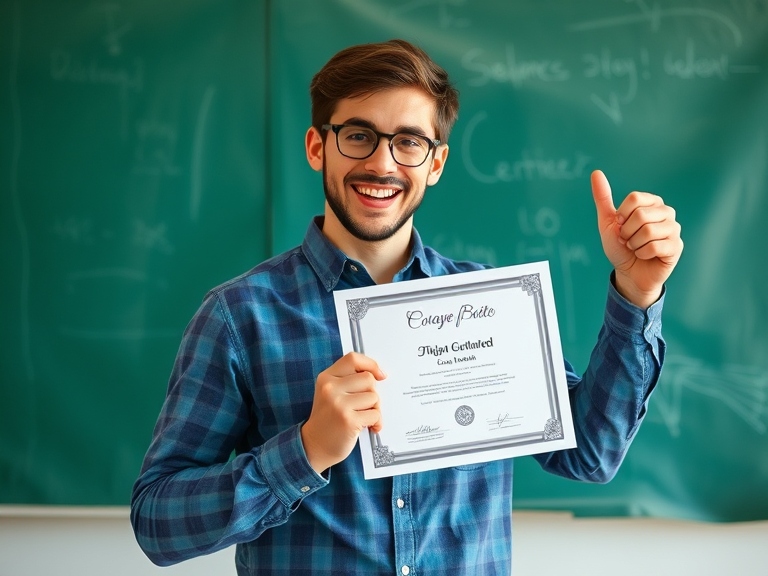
(243, 382)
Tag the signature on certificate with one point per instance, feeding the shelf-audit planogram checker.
(504, 420)
(424, 434)
(423, 429)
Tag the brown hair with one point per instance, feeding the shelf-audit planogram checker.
(368, 68)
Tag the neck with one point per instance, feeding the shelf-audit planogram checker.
(382, 259)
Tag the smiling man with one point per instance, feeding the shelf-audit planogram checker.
(260, 371)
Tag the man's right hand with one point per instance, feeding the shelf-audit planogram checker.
(345, 403)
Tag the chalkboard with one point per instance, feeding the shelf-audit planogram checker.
(138, 179)
(134, 169)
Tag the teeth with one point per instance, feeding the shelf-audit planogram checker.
(377, 192)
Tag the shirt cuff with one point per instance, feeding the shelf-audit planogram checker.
(286, 469)
(625, 318)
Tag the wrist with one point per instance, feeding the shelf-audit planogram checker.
(315, 456)
(634, 295)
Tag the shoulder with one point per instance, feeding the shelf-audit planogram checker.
(279, 274)
(440, 265)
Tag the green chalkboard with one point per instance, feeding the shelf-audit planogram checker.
(152, 152)
(134, 167)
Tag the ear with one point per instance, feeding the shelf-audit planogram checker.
(437, 165)
(313, 143)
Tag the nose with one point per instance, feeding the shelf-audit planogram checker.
(381, 161)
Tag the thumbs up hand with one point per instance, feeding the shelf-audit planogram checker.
(641, 240)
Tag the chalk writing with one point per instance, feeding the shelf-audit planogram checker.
(565, 256)
(546, 222)
(605, 64)
(741, 389)
(528, 166)
(82, 231)
(68, 68)
(540, 229)
(624, 71)
(512, 70)
(653, 16)
(151, 237)
(691, 66)
(155, 148)
(113, 37)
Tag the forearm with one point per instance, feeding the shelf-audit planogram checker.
(181, 513)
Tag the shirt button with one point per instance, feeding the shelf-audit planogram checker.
(353, 267)
(400, 503)
(405, 570)
(305, 489)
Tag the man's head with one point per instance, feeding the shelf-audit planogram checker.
(381, 115)
(369, 68)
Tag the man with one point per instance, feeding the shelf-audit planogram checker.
(260, 371)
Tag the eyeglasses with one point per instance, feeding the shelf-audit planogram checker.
(358, 142)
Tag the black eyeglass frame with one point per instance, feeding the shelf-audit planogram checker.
(336, 128)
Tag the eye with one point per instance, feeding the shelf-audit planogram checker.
(357, 135)
(410, 141)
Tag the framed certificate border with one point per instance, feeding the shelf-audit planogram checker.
(551, 429)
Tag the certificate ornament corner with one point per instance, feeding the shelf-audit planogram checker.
(357, 308)
(531, 283)
(553, 430)
(383, 456)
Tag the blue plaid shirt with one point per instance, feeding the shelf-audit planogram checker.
(243, 382)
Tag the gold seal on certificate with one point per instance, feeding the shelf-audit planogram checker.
(474, 367)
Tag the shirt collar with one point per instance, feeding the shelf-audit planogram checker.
(328, 261)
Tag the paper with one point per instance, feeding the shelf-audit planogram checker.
(474, 368)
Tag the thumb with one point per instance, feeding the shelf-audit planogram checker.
(601, 192)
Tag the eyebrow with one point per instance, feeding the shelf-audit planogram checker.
(355, 121)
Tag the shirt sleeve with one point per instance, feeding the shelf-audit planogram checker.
(192, 497)
(610, 400)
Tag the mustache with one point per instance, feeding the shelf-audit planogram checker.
(380, 180)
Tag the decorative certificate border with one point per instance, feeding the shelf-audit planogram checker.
(552, 428)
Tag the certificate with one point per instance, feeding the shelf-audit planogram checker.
(474, 368)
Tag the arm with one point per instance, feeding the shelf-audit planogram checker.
(610, 400)
(190, 498)
(642, 241)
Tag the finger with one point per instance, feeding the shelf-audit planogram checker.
(651, 232)
(636, 203)
(601, 192)
(665, 249)
(647, 223)
(362, 401)
(353, 362)
(377, 426)
(371, 419)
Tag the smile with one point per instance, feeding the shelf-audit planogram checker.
(381, 193)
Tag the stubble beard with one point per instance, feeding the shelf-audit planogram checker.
(357, 229)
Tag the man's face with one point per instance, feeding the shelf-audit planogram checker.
(375, 197)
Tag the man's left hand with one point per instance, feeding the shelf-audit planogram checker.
(641, 239)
